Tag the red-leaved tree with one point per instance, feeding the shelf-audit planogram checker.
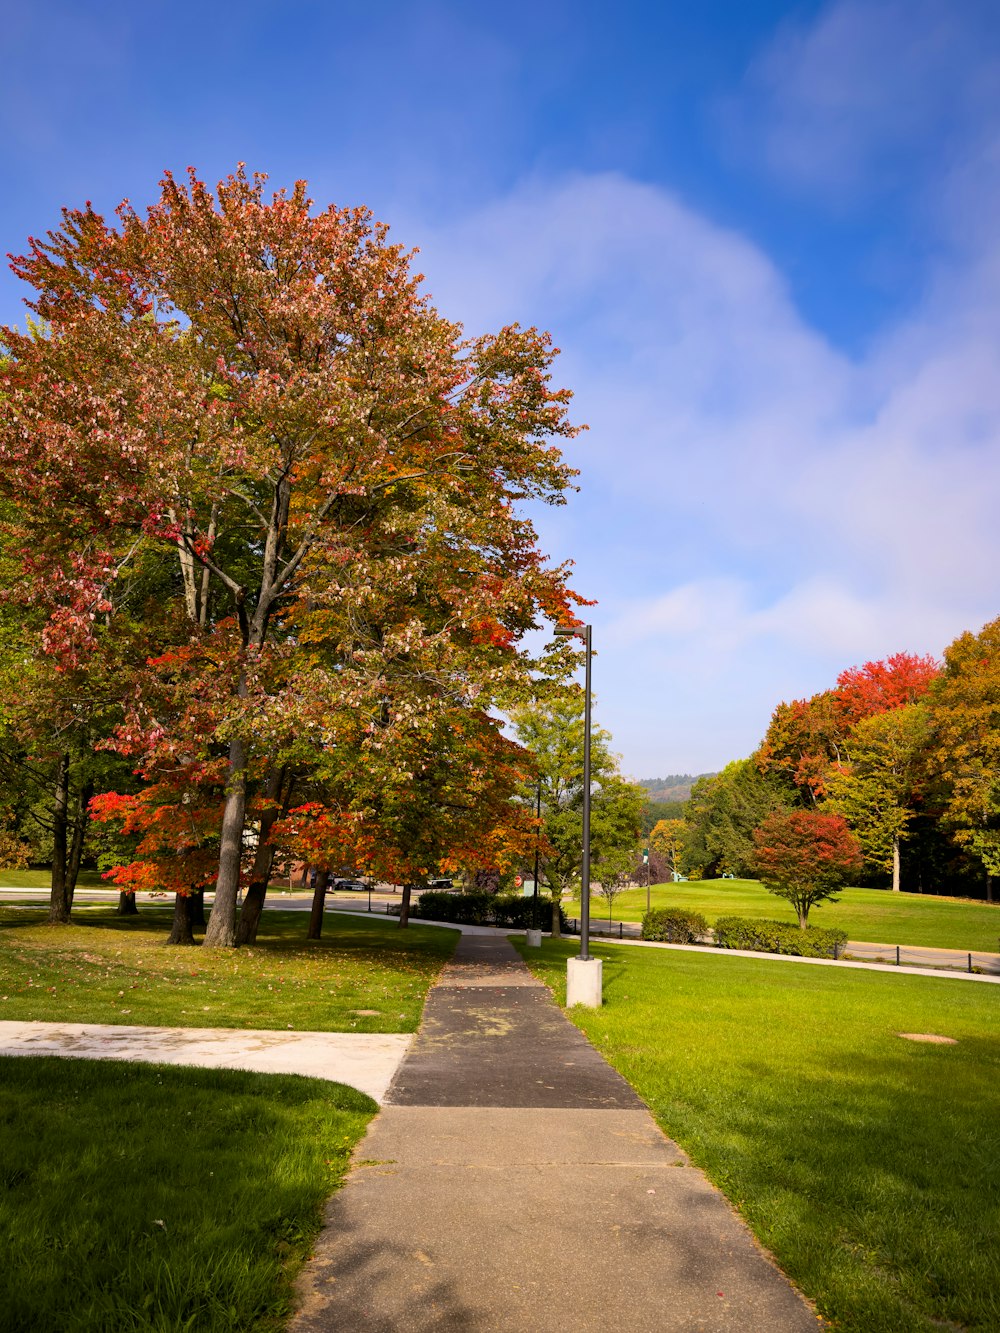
(880, 686)
(805, 857)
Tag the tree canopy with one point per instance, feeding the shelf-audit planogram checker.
(256, 401)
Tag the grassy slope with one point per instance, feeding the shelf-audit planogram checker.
(109, 969)
(866, 914)
(142, 1197)
(869, 1165)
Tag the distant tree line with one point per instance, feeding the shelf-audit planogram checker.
(906, 750)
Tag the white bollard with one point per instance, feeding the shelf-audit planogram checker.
(584, 982)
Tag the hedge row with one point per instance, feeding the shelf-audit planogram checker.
(486, 909)
(740, 932)
(672, 926)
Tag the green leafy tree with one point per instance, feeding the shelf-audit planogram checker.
(655, 811)
(875, 790)
(805, 857)
(552, 730)
(615, 873)
(722, 814)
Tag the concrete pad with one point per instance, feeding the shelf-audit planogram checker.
(366, 1061)
(533, 1136)
(637, 1242)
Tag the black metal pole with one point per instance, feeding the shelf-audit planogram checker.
(585, 886)
(538, 834)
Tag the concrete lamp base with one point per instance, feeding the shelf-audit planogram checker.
(534, 940)
(584, 982)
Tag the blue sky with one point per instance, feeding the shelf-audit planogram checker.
(764, 235)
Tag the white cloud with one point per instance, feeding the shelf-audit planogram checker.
(839, 104)
(757, 511)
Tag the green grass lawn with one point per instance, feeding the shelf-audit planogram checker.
(42, 879)
(145, 1197)
(866, 914)
(109, 969)
(869, 1165)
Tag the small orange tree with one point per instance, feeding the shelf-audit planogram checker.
(805, 857)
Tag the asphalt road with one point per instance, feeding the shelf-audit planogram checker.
(300, 900)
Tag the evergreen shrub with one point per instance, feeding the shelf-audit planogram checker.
(741, 932)
(486, 909)
(670, 925)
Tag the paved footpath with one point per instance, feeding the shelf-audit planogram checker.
(515, 1182)
(366, 1061)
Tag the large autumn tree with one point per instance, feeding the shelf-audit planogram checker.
(964, 713)
(806, 739)
(875, 788)
(260, 393)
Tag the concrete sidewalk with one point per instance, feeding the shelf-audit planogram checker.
(515, 1182)
(366, 1061)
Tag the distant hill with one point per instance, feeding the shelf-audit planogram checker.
(674, 787)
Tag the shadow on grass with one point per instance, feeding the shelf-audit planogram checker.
(280, 930)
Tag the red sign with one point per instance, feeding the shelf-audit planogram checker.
(518, 882)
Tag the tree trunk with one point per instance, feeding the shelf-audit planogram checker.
(556, 924)
(404, 907)
(260, 875)
(253, 905)
(197, 900)
(221, 932)
(127, 905)
(318, 903)
(989, 887)
(895, 865)
(78, 839)
(60, 902)
(181, 932)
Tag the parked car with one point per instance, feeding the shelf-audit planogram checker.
(440, 885)
(349, 886)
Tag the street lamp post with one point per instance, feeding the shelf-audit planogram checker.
(534, 936)
(583, 973)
